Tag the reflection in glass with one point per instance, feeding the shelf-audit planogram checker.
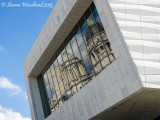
(48, 89)
(79, 38)
(56, 83)
(86, 55)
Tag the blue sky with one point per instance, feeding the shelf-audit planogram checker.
(19, 28)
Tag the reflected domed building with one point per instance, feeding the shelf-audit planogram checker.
(70, 76)
(77, 75)
(98, 44)
(85, 54)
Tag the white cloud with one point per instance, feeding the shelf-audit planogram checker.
(9, 114)
(6, 84)
(11, 87)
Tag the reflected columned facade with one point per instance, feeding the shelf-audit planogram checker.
(87, 53)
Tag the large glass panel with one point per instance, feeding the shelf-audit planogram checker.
(86, 58)
(86, 55)
(45, 103)
(83, 48)
(104, 48)
(63, 81)
(93, 43)
(75, 49)
(49, 95)
(83, 53)
(66, 76)
(46, 81)
(54, 94)
(57, 96)
(78, 67)
(66, 93)
(48, 89)
(56, 81)
(71, 73)
(79, 38)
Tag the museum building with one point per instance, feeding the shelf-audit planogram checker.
(96, 60)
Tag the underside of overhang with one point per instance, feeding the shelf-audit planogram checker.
(144, 105)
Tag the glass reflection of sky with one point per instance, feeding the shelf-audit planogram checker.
(89, 69)
(96, 16)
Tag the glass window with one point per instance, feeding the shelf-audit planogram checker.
(49, 92)
(108, 56)
(86, 54)
(70, 69)
(79, 38)
(75, 49)
(69, 53)
(65, 68)
(44, 96)
(46, 79)
(55, 81)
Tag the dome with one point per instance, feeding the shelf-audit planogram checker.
(93, 30)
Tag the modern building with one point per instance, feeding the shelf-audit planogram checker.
(96, 60)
